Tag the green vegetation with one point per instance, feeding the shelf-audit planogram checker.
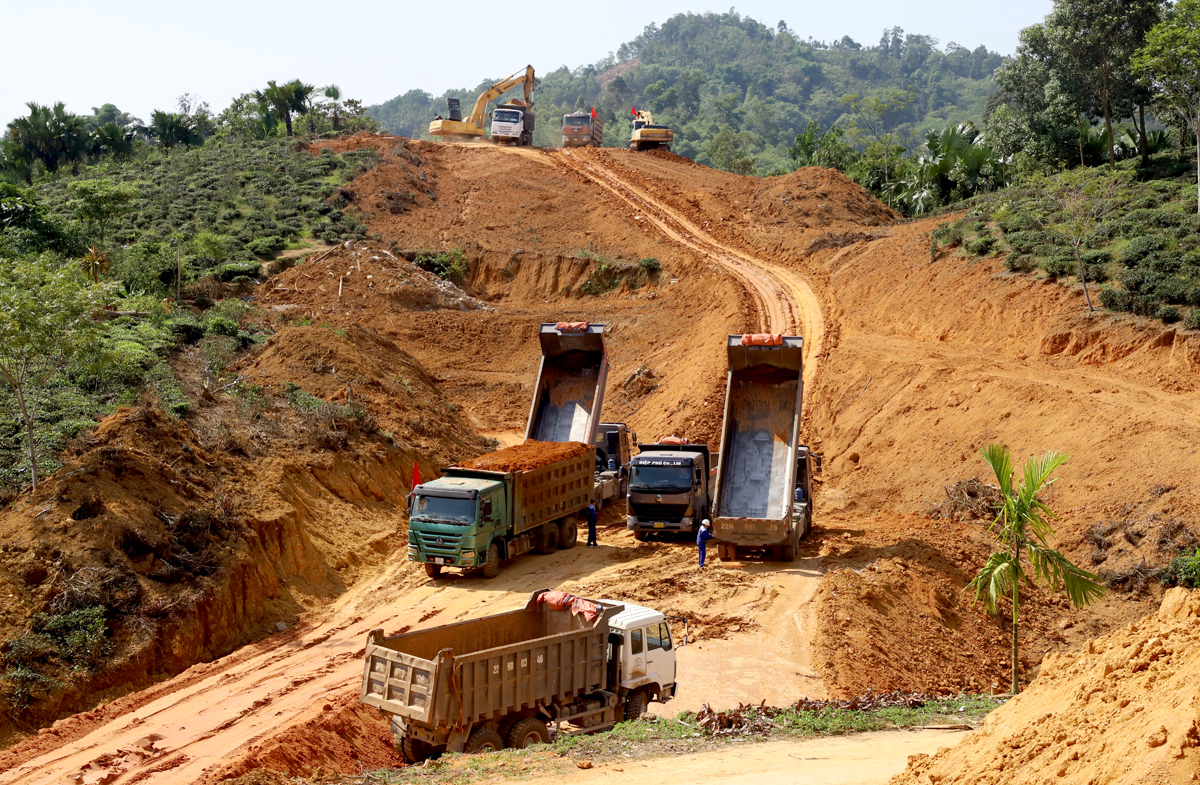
(1022, 529)
(607, 274)
(1184, 570)
(657, 737)
(449, 265)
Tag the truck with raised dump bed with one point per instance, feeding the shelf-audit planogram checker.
(526, 497)
(561, 662)
(582, 129)
(757, 505)
(670, 487)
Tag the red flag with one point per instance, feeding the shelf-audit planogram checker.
(593, 113)
(633, 111)
(416, 476)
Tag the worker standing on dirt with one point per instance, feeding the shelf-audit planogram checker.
(702, 538)
(591, 518)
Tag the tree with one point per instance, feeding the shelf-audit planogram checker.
(956, 160)
(1096, 39)
(881, 113)
(1022, 530)
(99, 201)
(1171, 60)
(173, 129)
(1079, 200)
(727, 151)
(114, 139)
(334, 94)
(52, 135)
(45, 319)
(284, 100)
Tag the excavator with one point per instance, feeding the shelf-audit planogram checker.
(512, 122)
(646, 135)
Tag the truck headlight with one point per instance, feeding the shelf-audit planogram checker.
(468, 555)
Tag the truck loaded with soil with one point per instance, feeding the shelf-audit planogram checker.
(189, 595)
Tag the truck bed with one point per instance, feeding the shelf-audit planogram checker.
(570, 385)
(756, 469)
(459, 674)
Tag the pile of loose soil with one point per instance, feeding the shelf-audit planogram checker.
(1122, 711)
(530, 455)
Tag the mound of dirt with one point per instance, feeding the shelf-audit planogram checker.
(1123, 711)
(354, 365)
(356, 278)
(530, 455)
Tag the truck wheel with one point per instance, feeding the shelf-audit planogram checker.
(789, 550)
(528, 732)
(433, 570)
(414, 750)
(636, 704)
(640, 536)
(491, 568)
(483, 740)
(568, 533)
(548, 539)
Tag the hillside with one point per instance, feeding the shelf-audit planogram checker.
(703, 73)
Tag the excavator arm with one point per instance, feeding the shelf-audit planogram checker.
(471, 127)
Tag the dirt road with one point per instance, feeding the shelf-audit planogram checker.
(864, 759)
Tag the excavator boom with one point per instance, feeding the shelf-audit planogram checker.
(472, 126)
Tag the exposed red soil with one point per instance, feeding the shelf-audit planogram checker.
(532, 454)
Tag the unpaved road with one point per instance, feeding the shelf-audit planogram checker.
(863, 759)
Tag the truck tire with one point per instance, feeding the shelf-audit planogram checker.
(568, 533)
(483, 740)
(636, 704)
(789, 550)
(433, 570)
(547, 539)
(639, 535)
(491, 567)
(414, 750)
(528, 732)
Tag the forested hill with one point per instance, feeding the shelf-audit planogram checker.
(704, 73)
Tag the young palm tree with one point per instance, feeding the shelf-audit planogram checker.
(334, 93)
(1022, 529)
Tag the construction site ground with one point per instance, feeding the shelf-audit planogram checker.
(911, 365)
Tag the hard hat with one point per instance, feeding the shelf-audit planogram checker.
(705, 522)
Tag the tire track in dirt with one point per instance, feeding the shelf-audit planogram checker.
(786, 302)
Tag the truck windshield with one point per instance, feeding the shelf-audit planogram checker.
(506, 116)
(582, 121)
(436, 508)
(661, 478)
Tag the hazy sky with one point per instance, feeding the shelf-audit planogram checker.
(141, 55)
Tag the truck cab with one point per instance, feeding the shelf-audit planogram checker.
(614, 445)
(580, 129)
(453, 520)
(670, 488)
(512, 123)
(646, 660)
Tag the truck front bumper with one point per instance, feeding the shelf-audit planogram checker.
(467, 558)
(634, 524)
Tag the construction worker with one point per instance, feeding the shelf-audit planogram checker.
(591, 519)
(702, 538)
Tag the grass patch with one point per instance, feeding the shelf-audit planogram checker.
(1184, 570)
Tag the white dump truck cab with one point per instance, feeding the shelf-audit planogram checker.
(647, 652)
(512, 123)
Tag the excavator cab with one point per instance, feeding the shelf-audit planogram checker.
(454, 110)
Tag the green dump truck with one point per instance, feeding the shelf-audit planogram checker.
(476, 518)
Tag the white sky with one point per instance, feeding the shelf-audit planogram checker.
(140, 55)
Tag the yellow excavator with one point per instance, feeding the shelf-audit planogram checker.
(645, 135)
(514, 120)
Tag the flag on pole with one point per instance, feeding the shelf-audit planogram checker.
(416, 476)
(593, 113)
(633, 111)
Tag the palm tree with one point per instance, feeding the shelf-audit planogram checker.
(112, 138)
(956, 158)
(1022, 529)
(172, 129)
(95, 263)
(334, 93)
(285, 99)
(52, 135)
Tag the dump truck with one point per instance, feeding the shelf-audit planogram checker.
(582, 129)
(455, 127)
(670, 488)
(512, 123)
(527, 497)
(614, 448)
(561, 663)
(645, 135)
(754, 506)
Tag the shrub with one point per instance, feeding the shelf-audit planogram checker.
(1159, 219)
(265, 246)
(650, 265)
(1192, 322)
(1020, 263)
(1060, 266)
(950, 235)
(231, 270)
(448, 265)
(1115, 299)
(1141, 247)
(1184, 570)
(1167, 313)
(982, 245)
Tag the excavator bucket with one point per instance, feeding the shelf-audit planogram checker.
(570, 384)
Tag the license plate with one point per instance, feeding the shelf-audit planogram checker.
(438, 560)
(659, 525)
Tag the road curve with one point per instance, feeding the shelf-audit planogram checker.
(785, 301)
